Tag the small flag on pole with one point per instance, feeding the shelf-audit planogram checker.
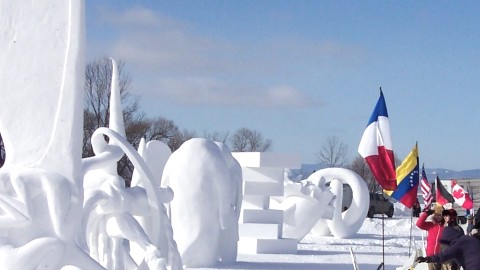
(426, 189)
(442, 195)
(407, 180)
(461, 197)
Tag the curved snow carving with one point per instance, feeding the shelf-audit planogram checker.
(304, 204)
(110, 207)
(206, 201)
(349, 222)
(155, 154)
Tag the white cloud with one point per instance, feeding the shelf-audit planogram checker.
(211, 91)
(191, 68)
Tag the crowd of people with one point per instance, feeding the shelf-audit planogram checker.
(448, 246)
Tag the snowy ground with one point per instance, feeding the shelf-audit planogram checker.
(328, 253)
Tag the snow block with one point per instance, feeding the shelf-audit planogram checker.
(260, 231)
(262, 188)
(267, 159)
(262, 216)
(267, 246)
(269, 174)
(255, 202)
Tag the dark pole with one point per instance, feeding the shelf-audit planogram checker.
(383, 241)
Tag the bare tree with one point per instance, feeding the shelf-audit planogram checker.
(98, 76)
(179, 138)
(161, 129)
(217, 136)
(359, 166)
(247, 140)
(333, 153)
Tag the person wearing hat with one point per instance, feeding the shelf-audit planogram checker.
(465, 249)
(450, 218)
(432, 222)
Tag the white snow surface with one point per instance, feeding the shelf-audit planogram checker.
(329, 253)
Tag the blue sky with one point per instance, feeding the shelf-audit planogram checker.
(301, 71)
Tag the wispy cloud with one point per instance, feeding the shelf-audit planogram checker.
(191, 68)
(208, 91)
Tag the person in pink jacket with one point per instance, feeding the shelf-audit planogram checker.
(432, 222)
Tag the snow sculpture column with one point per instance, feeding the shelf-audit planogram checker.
(260, 228)
(41, 112)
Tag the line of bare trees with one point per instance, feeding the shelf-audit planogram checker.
(334, 153)
(98, 76)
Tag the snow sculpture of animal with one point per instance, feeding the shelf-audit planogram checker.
(349, 222)
(41, 77)
(204, 203)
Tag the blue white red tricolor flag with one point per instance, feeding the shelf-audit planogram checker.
(426, 189)
(376, 146)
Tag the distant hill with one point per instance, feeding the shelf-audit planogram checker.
(443, 174)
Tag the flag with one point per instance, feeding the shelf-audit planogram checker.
(426, 189)
(461, 197)
(376, 146)
(407, 180)
(442, 195)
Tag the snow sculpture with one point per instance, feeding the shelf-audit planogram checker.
(349, 222)
(228, 248)
(304, 204)
(110, 207)
(207, 201)
(41, 73)
(155, 154)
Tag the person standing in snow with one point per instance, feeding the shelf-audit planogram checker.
(450, 218)
(432, 222)
(469, 224)
(465, 249)
(476, 223)
(416, 209)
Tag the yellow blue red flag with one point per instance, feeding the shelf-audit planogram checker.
(407, 180)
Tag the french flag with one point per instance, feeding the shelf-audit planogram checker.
(376, 146)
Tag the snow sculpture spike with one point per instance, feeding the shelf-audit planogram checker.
(116, 122)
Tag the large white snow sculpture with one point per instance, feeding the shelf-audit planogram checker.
(303, 204)
(227, 247)
(349, 222)
(206, 201)
(110, 207)
(41, 77)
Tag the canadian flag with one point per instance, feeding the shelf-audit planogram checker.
(461, 197)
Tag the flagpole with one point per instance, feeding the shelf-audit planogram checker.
(411, 229)
(383, 241)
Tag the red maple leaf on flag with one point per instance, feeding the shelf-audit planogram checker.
(461, 197)
(458, 193)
